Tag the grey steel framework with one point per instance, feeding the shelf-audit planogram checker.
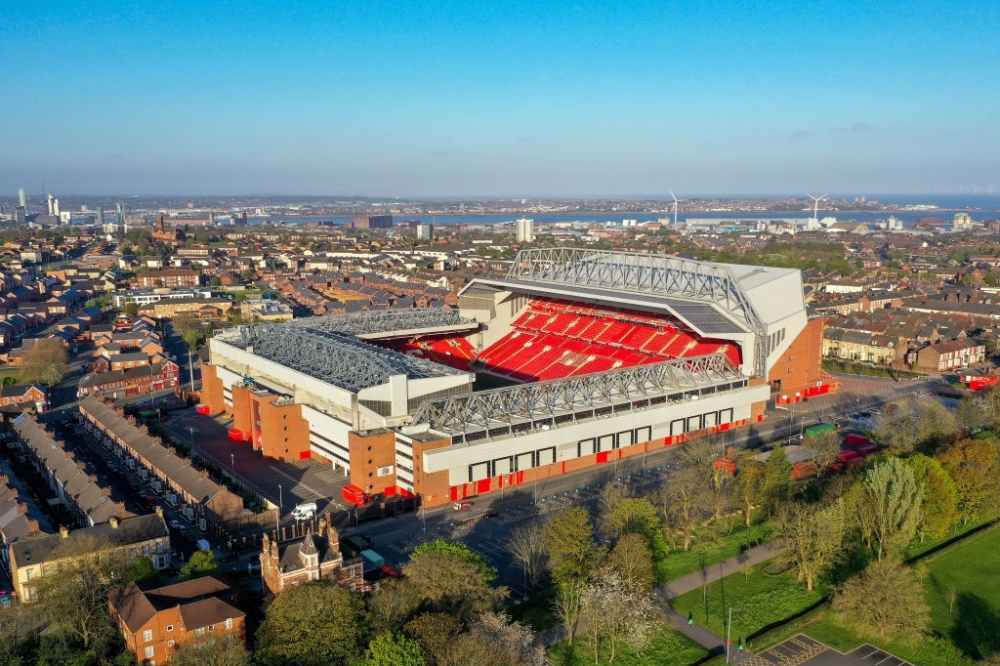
(506, 411)
(337, 358)
(382, 321)
(643, 273)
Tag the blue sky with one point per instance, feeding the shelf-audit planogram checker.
(499, 98)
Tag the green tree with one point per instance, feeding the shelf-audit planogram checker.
(312, 624)
(889, 510)
(568, 605)
(632, 559)
(569, 542)
(46, 362)
(824, 448)
(973, 465)
(190, 330)
(459, 551)
(939, 509)
(450, 577)
(777, 479)
(632, 514)
(811, 538)
(75, 601)
(202, 563)
(389, 649)
(682, 501)
(222, 651)
(886, 600)
(971, 414)
(613, 613)
(140, 569)
(751, 484)
(435, 632)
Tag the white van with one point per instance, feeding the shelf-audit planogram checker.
(304, 511)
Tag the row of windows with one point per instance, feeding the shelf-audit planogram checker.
(615, 440)
(775, 339)
(700, 422)
(520, 462)
(547, 456)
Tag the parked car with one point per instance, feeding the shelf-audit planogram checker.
(461, 506)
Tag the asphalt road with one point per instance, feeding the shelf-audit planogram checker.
(488, 524)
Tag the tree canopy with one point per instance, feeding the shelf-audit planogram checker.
(311, 625)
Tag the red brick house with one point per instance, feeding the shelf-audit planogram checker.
(158, 621)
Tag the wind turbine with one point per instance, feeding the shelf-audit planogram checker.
(816, 201)
(675, 206)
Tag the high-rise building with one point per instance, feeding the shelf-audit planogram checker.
(22, 198)
(525, 230)
(962, 222)
(55, 207)
(371, 222)
(51, 202)
(20, 215)
(425, 231)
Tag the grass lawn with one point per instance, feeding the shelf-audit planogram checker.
(963, 590)
(925, 652)
(679, 562)
(757, 598)
(668, 648)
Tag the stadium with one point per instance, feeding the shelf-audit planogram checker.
(575, 358)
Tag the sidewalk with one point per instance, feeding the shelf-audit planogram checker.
(692, 581)
(714, 572)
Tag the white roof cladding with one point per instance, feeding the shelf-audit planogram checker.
(776, 293)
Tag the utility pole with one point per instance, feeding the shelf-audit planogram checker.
(729, 631)
(190, 371)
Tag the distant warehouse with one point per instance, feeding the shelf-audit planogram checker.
(575, 358)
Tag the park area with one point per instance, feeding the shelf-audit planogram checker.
(667, 648)
(962, 584)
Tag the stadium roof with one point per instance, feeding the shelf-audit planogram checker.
(671, 281)
(506, 411)
(385, 323)
(314, 347)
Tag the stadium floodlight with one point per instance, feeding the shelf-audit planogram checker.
(816, 201)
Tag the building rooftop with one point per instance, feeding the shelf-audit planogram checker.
(178, 470)
(78, 485)
(333, 356)
(196, 599)
(51, 547)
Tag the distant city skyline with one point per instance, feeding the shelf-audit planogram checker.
(524, 99)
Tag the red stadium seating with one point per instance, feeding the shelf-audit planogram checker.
(553, 339)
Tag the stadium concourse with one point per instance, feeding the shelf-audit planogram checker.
(592, 356)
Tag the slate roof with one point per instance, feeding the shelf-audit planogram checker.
(78, 484)
(175, 468)
(137, 529)
(199, 606)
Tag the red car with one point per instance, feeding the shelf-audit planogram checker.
(390, 571)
